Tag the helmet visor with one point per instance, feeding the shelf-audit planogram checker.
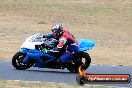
(55, 30)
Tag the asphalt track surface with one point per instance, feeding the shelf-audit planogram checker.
(7, 72)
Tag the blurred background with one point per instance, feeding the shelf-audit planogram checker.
(107, 22)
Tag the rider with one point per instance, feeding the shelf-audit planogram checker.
(66, 41)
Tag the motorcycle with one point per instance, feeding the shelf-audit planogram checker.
(30, 54)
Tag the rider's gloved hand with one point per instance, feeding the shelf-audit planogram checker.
(44, 50)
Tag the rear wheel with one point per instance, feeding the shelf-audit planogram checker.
(81, 80)
(18, 64)
(84, 60)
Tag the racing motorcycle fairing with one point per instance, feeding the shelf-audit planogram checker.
(85, 44)
(32, 50)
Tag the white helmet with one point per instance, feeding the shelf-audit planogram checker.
(57, 29)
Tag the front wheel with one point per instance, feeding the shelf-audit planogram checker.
(83, 60)
(18, 64)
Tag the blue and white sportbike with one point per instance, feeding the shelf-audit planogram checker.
(31, 55)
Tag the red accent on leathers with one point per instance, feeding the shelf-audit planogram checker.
(66, 38)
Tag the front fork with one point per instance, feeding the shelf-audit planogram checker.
(24, 50)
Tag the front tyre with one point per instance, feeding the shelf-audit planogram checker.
(18, 64)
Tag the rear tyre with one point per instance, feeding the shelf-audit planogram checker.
(81, 80)
(18, 64)
(84, 60)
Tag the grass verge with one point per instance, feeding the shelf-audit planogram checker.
(37, 84)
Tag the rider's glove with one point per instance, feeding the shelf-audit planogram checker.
(44, 50)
